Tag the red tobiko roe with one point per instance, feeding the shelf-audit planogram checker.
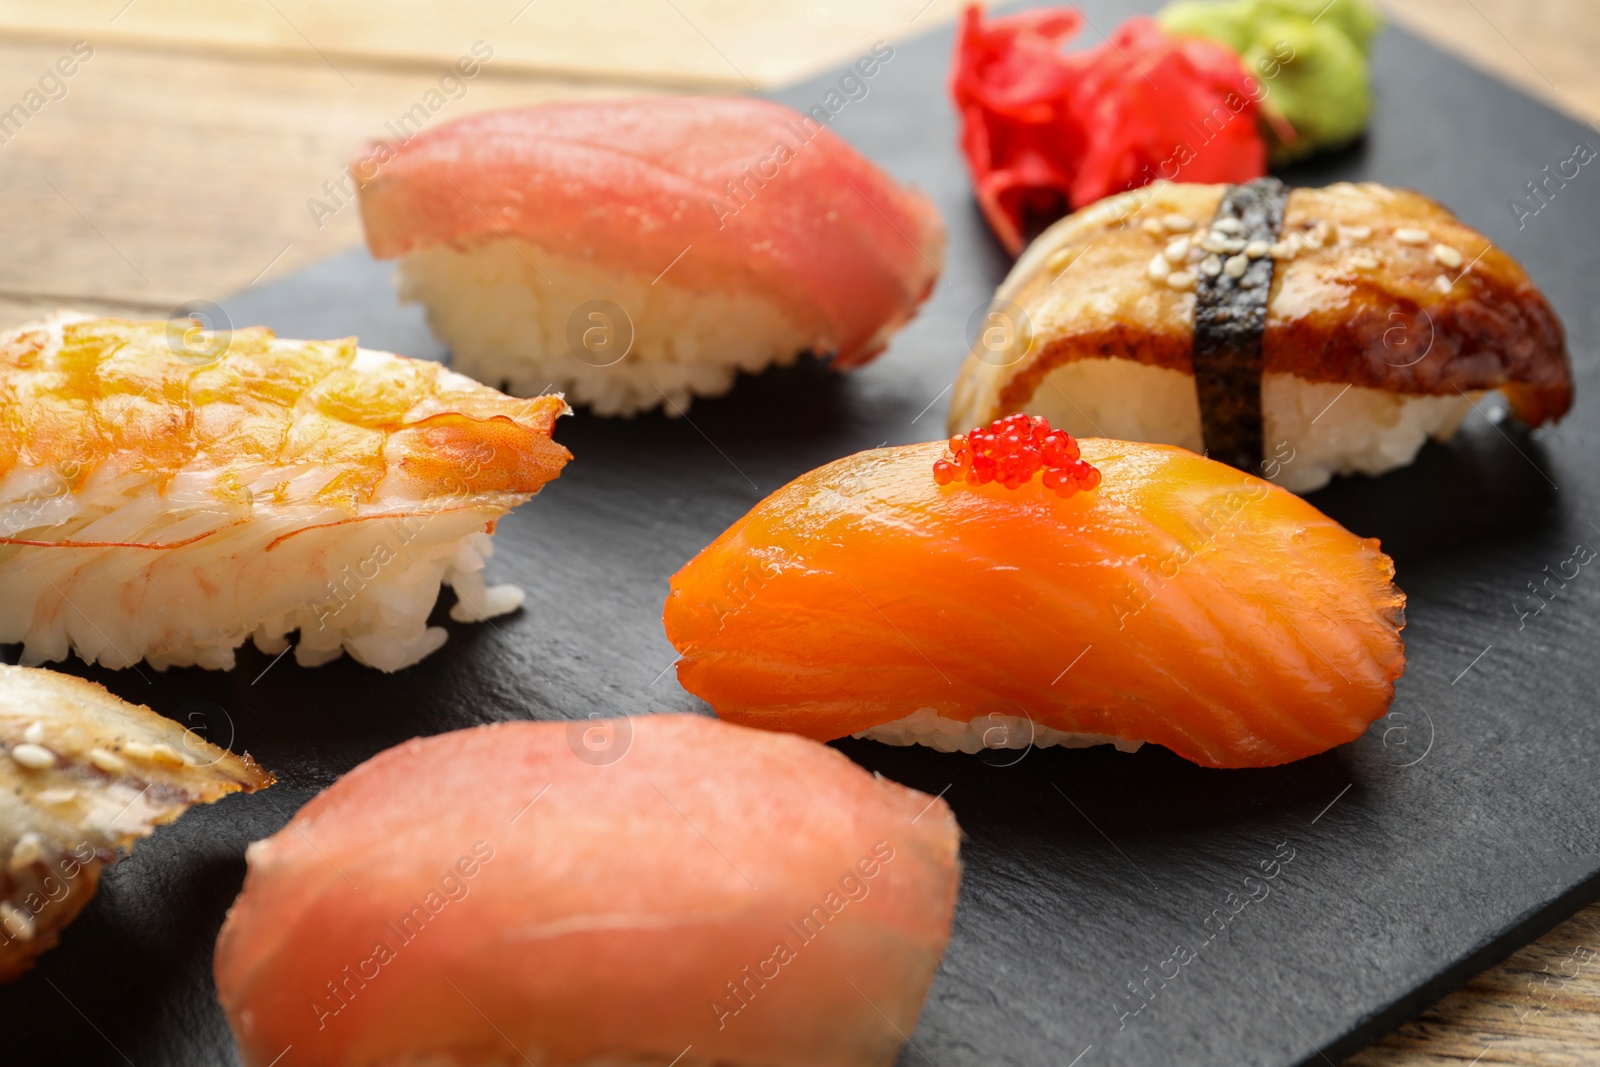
(1046, 132)
(1011, 451)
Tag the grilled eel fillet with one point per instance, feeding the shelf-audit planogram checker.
(82, 776)
(1351, 263)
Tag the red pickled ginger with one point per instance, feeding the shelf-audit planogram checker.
(1046, 132)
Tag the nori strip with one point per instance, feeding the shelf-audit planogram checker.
(1230, 316)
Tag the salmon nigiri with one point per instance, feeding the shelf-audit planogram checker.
(637, 253)
(667, 889)
(1014, 588)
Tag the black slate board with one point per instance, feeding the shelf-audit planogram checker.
(1460, 827)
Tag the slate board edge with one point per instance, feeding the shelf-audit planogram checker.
(1536, 922)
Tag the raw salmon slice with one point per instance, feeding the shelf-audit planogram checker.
(1182, 602)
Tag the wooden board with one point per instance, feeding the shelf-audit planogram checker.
(1421, 873)
(684, 43)
(223, 112)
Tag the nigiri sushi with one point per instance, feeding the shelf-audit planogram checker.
(666, 889)
(1015, 587)
(1296, 333)
(83, 775)
(167, 495)
(637, 253)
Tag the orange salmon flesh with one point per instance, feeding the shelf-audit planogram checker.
(1199, 607)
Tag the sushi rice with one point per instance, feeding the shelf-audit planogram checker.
(507, 311)
(926, 726)
(1313, 430)
(196, 604)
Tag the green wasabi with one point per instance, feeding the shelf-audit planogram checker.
(1310, 57)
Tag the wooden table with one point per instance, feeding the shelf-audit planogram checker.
(196, 152)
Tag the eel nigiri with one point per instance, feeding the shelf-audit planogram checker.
(166, 495)
(1300, 333)
(666, 889)
(1023, 588)
(83, 775)
(637, 253)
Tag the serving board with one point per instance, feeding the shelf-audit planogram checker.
(1271, 917)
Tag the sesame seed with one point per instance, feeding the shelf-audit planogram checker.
(1177, 249)
(1281, 250)
(1236, 266)
(1159, 268)
(1247, 282)
(1355, 233)
(56, 796)
(109, 762)
(1443, 284)
(1447, 256)
(1214, 243)
(1152, 227)
(34, 734)
(1227, 226)
(1233, 245)
(1181, 279)
(1411, 237)
(1060, 258)
(1212, 266)
(72, 741)
(1256, 249)
(34, 757)
(28, 849)
(1364, 261)
(1176, 223)
(19, 922)
(137, 750)
(166, 754)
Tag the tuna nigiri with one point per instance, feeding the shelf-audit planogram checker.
(167, 495)
(1016, 585)
(636, 253)
(664, 889)
(83, 775)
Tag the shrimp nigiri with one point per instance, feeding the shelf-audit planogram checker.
(637, 253)
(168, 493)
(1014, 586)
(666, 889)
